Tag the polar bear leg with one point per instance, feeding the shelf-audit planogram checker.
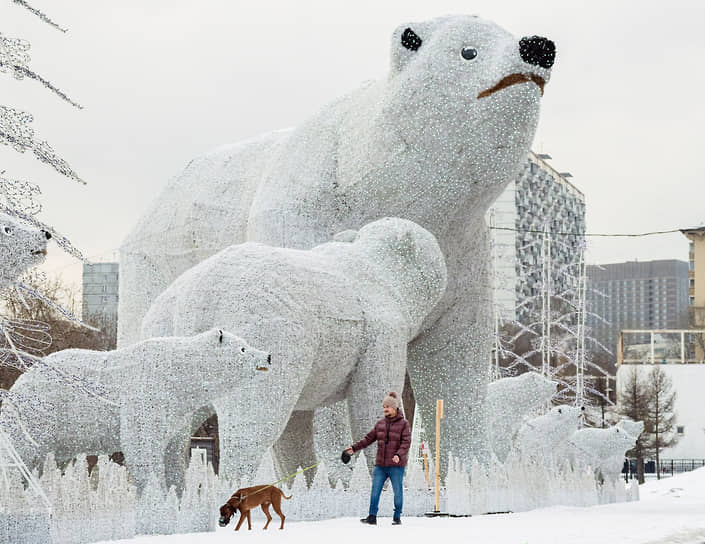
(144, 436)
(331, 435)
(144, 454)
(449, 360)
(176, 458)
(295, 447)
(247, 428)
(381, 370)
(245, 437)
(446, 374)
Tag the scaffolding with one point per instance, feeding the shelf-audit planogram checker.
(660, 346)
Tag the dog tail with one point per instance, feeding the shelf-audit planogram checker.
(287, 498)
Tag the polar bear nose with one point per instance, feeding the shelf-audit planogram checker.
(538, 51)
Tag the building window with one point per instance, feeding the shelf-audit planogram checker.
(680, 429)
(691, 300)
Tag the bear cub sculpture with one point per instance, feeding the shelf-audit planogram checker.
(337, 319)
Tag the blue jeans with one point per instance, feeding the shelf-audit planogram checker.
(379, 476)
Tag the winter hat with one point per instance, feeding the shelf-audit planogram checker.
(391, 400)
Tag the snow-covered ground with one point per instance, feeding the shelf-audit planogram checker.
(670, 511)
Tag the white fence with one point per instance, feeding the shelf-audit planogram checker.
(105, 505)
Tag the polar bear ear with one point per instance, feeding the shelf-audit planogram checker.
(406, 42)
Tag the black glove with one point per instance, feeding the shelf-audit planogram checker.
(345, 457)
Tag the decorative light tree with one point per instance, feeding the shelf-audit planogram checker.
(22, 343)
(549, 333)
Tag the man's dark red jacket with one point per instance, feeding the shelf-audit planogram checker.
(393, 438)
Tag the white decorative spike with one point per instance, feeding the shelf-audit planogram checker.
(360, 480)
(10, 462)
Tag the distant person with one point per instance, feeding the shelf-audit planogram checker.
(393, 441)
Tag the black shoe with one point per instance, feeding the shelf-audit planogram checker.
(396, 521)
(370, 520)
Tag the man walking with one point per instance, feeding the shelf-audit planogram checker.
(393, 441)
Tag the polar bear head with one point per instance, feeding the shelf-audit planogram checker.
(606, 443)
(467, 92)
(541, 435)
(632, 428)
(620, 440)
(409, 261)
(228, 351)
(21, 247)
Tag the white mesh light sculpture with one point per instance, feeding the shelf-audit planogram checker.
(149, 391)
(336, 318)
(435, 141)
(509, 401)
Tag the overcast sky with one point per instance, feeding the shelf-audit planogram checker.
(164, 81)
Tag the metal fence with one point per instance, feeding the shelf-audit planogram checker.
(669, 467)
(676, 466)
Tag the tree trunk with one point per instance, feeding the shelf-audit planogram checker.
(640, 469)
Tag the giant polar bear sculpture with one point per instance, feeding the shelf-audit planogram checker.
(435, 142)
(149, 389)
(337, 319)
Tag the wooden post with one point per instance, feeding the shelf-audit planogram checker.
(439, 416)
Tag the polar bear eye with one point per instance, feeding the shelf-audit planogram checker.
(242, 350)
(468, 53)
(7, 230)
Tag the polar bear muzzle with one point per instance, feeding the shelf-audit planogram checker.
(535, 50)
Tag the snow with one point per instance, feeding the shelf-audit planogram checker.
(670, 511)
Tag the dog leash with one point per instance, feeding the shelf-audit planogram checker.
(289, 477)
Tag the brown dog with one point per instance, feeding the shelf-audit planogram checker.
(251, 497)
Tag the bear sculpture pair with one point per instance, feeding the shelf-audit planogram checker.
(435, 142)
(358, 301)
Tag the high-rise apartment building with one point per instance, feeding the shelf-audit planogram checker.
(636, 295)
(541, 199)
(100, 291)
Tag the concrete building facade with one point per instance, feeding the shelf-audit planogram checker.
(541, 198)
(100, 290)
(696, 293)
(636, 295)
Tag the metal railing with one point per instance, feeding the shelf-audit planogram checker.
(669, 467)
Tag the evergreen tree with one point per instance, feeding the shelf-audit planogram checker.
(633, 402)
(660, 414)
